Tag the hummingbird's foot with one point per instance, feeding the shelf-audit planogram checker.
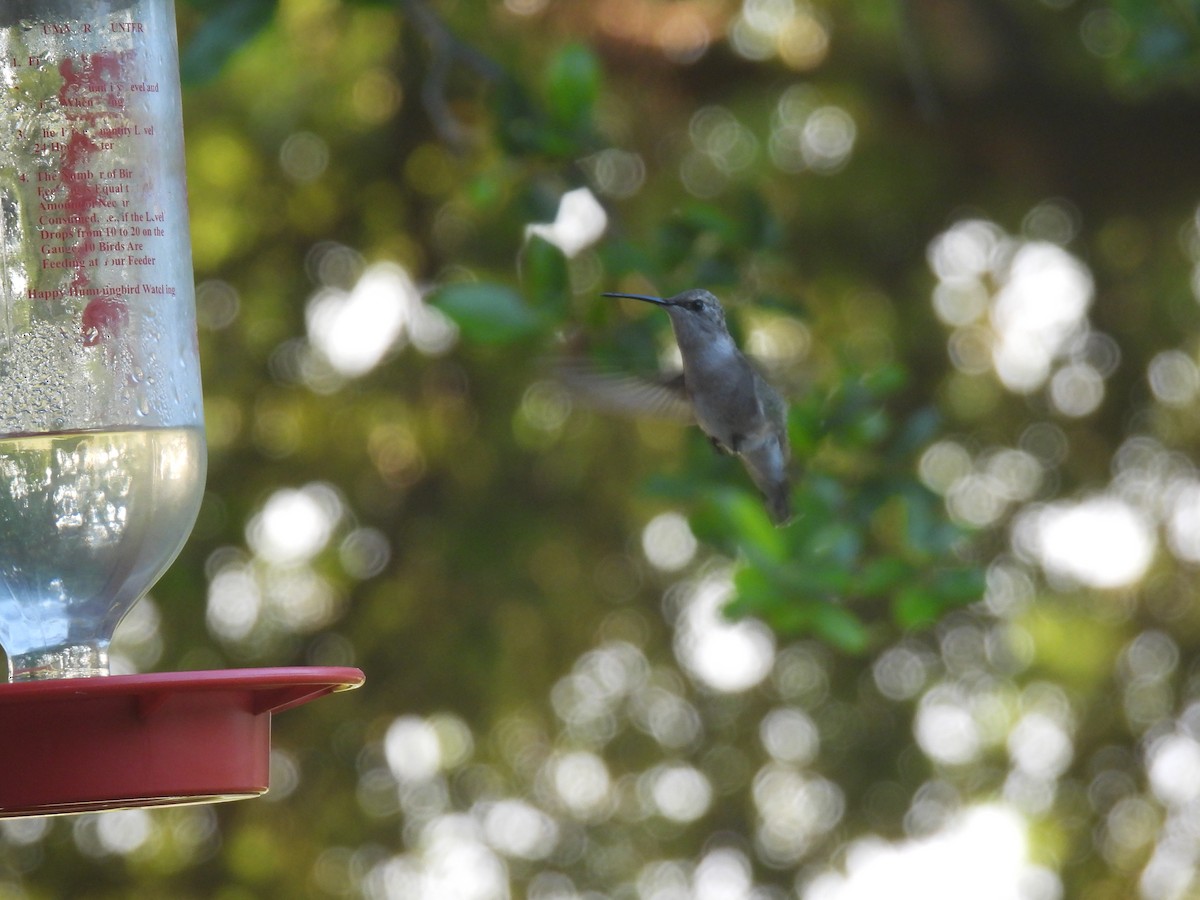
(719, 447)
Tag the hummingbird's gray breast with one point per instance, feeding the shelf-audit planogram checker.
(723, 395)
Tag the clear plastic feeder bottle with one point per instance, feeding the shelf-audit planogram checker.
(102, 454)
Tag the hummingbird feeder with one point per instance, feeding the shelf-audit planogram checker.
(102, 448)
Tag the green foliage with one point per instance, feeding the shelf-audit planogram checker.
(556, 119)
(870, 550)
(1149, 44)
(572, 86)
(546, 278)
(488, 313)
(228, 25)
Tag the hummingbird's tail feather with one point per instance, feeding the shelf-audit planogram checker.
(779, 505)
(767, 464)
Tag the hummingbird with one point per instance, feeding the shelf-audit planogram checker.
(722, 392)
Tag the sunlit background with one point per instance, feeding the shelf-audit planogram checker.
(401, 212)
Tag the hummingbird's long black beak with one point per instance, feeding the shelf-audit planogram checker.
(656, 300)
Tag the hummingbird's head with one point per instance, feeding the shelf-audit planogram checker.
(694, 311)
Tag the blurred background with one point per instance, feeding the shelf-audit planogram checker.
(962, 236)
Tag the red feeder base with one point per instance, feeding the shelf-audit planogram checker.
(82, 744)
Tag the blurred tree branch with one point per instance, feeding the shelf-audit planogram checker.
(446, 49)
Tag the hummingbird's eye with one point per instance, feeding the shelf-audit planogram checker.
(695, 306)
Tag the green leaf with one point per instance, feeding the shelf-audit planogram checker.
(545, 269)
(838, 543)
(958, 586)
(879, 576)
(915, 433)
(488, 313)
(792, 618)
(819, 580)
(711, 218)
(919, 514)
(521, 128)
(621, 257)
(840, 627)
(886, 379)
(805, 428)
(869, 427)
(486, 191)
(229, 25)
(821, 496)
(754, 593)
(746, 519)
(757, 594)
(915, 607)
(572, 85)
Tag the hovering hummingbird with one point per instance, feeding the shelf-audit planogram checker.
(720, 391)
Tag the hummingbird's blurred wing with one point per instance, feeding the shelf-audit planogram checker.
(662, 397)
